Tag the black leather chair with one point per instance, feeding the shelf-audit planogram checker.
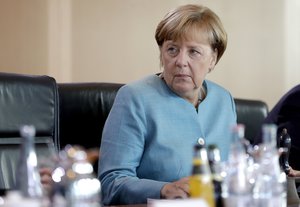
(251, 113)
(30, 100)
(84, 108)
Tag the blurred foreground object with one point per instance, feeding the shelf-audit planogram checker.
(214, 158)
(285, 143)
(236, 188)
(75, 184)
(271, 186)
(28, 179)
(201, 184)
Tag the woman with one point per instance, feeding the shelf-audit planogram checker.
(148, 138)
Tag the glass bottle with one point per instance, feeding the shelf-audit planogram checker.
(236, 189)
(28, 179)
(201, 185)
(62, 176)
(84, 189)
(214, 158)
(270, 186)
(285, 143)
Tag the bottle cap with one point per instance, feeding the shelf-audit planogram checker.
(27, 131)
(239, 129)
(269, 134)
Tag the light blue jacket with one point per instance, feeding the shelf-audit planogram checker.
(149, 136)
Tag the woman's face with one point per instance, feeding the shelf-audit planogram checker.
(186, 63)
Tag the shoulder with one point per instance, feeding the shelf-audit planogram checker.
(215, 89)
(292, 97)
(218, 95)
(140, 88)
(287, 106)
(294, 93)
(296, 89)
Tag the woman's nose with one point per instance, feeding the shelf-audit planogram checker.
(182, 59)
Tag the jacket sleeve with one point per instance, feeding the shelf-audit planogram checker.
(121, 150)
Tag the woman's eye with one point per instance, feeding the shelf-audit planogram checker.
(195, 53)
(172, 51)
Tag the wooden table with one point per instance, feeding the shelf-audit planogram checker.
(145, 205)
(136, 205)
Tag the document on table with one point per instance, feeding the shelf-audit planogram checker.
(176, 203)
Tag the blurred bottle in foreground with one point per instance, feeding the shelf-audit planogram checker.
(270, 186)
(214, 158)
(28, 183)
(75, 184)
(28, 179)
(85, 189)
(285, 142)
(201, 185)
(236, 189)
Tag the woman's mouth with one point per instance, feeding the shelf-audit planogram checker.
(182, 76)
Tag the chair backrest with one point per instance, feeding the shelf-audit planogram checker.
(26, 100)
(251, 113)
(84, 108)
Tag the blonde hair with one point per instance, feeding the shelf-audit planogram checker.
(188, 21)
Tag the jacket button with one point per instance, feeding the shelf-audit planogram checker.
(201, 141)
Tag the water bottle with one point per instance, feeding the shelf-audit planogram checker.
(236, 189)
(214, 158)
(270, 185)
(84, 189)
(285, 143)
(28, 178)
(62, 176)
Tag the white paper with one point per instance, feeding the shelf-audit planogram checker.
(176, 203)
